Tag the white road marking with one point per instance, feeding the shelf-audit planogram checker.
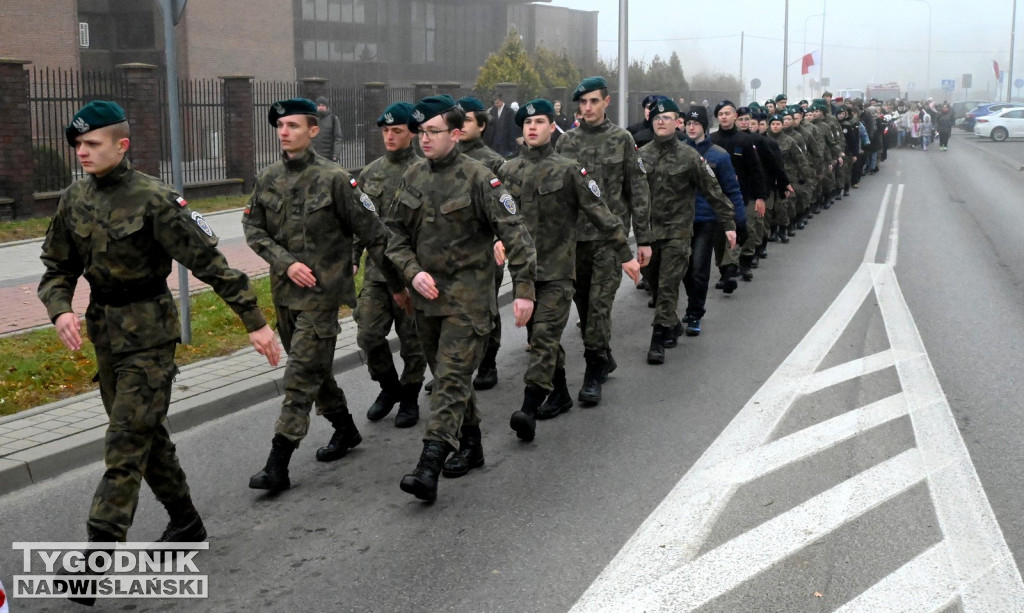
(658, 569)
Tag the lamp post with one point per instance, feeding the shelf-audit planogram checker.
(623, 62)
(928, 61)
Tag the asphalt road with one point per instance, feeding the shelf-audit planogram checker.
(791, 458)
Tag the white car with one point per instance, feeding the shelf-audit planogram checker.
(1001, 125)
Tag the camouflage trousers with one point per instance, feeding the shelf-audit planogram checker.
(598, 275)
(827, 183)
(494, 340)
(803, 197)
(755, 228)
(672, 256)
(550, 315)
(309, 337)
(781, 211)
(845, 172)
(725, 256)
(454, 347)
(136, 392)
(375, 313)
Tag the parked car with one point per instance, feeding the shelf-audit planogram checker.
(961, 107)
(1001, 125)
(984, 109)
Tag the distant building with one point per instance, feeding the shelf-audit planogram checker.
(348, 42)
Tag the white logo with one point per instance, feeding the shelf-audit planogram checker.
(510, 204)
(278, 108)
(530, 110)
(80, 125)
(594, 188)
(388, 119)
(640, 163)
(418, 115)
(367, 203)
(661, 107)
(205, 227)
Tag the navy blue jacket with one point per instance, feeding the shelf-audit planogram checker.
(721, 163)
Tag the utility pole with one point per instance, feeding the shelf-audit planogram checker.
(623, 63)
(741, 64)
(785, 50)
(1013, 32)
(821, 53)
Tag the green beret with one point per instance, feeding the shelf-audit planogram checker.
(428, 108)
(96, 114)
(395, 115)
(793, 109)
(775, 117)
(802, 102)
(781, 97)
(590, 84)
(754, 106)
(818, 104)
(292, 106)
(664, 105)
(470, 103)
(539, 106)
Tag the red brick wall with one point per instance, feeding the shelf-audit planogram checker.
(240, 37)
(45, 33)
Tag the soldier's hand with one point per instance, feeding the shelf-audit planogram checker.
(301, 275)
(499, 253)
(266, 344)
(68, 330)
(730, 237)
(643, 255)
(424, 284)
(759, 207)
(632, 269)
(790, 191)
(404, 300)
(522, 308)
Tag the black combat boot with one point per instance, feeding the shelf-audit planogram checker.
(103, 541)
(597, 363)
(729, 273)
(390, 394)
(609, 366)
(524, 421)
(559, 400)
(345, 437)
(422, 482)
(671, 336)
(784, 235)
(409, 409)
(469, 456)
(774, 236)
(745, 265)
(429, 387)
(487, 374)
(274, 476)
(656, 354)
(185, 526)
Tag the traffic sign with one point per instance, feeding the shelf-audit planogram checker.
(1018, 83)
(948, 84)
(755, 83)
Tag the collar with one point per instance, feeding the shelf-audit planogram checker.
(401, 155)
(597, 127)
(537, 153)
(300, 162)
(444, 162)
(115, 176)
(470, 145)
(665, 142)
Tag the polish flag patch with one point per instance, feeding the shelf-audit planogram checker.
(583, 171)
(495, 182)
(353, 183)
(181, 201)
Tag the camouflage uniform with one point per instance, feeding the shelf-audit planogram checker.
(376, 311)
(810, 149)
(609, 155)
(307, 210)
(552, 191)
(797, 169)
(120, 232)
(477, 150)
(675, 173)
(443, 222)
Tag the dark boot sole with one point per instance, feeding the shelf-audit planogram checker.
(455, 473)
(655, 358)
(324, 454)
(546, 411)
(589, 400)
(520, 422)
(255, 484)
(410, 485)
(404, 420)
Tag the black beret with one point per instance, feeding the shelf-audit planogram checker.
(428, 108)
(96, 114)
(664, 105)
(646, 102)
(759, 116)
(588, 85)
(781, 97)
(539, 106)
(470, 103)
(292, 106)
(744, 110)
(699, 114)
(395, 115)
(724, 103)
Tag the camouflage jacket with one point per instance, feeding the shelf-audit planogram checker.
(833, 144)
(444, 221)
(793, 158)
(610, 157)
(815, 152)
(380, 180)
(675, 173)
(552, 191)
(307, 210)
(120, 232)
(479, 151)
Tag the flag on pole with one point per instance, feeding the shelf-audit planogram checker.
(995, 67)
(811, 59)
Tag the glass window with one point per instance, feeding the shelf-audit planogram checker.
(308, 10)
(359, 9)
(335, 51)
(321, 10)
(334, 11)
(321, 50)
(346, 11)
(309, 49)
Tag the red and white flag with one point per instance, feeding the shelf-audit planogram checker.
(811, 59)
(995, 67)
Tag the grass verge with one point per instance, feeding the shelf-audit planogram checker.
(23, 229)
(38, 370)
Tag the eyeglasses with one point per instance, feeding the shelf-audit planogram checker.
(430, 134)
(664, 118)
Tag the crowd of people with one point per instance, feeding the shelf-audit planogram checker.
(439, 216)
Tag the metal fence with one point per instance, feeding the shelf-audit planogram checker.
(202, 124)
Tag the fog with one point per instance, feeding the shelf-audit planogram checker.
(869, 41)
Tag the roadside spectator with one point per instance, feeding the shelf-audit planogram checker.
(944, 124)
(327, 142)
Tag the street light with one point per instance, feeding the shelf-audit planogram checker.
(928, 64)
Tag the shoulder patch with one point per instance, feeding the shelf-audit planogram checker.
(495, 182)
(367, 203)
(594, 188)
(181, 201)
(640, 163)
(205, 227)
(353, 183)
(509, 203)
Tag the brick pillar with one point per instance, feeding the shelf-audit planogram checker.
(239, 143)
(375, 100)
(421, 91)
(142, 105)
(17, 167)
(509, 92)
(313, 88)
(452, 89)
